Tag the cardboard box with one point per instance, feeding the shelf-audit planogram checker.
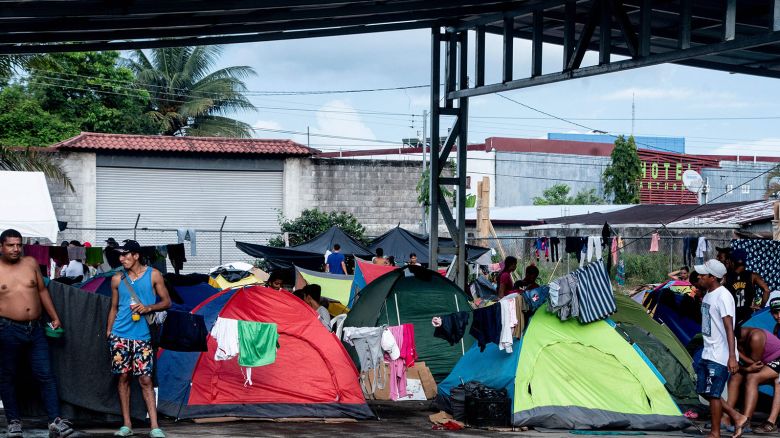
(419, 372)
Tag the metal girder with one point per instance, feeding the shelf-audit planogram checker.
(675, 45)
(455, 68)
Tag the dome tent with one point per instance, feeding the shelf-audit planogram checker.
(414, 295)
(194, 385)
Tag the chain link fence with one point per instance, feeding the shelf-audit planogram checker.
(211, 247)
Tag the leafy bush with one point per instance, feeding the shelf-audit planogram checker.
(313, 222)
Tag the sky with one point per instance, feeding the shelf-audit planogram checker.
(731, 105)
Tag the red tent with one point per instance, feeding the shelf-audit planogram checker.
(313, 375)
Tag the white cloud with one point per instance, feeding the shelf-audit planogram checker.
(342, 124)
(768, 147)
(266, 124)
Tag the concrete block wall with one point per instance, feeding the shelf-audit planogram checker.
(380, 194)
(77, 207)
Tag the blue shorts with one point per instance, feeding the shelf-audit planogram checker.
(711, 378)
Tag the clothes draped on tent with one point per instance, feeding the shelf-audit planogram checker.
(368, 345)
(183, 331)
(452, 327)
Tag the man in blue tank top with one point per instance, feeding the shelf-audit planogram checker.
(134, 293)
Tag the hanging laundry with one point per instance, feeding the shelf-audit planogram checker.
(257, 343)
(452, 327)
(620, 276)
(565, 305)
(614, 250)
(176, 256)
(39, 252)
(520, 309)
(225, 332)
(573, 245)
(655, 240)
(188, 234)
(389, 345)
(77, 253)
(94, 256)
(594, 248)
(486, 326)
(508, 323)
(534, 298)
(554, 244)
(59, 254)
(183, 331)
(409, 349)
(368, 346)
(690, 246)
(606, 233)
(701, 250)
(594, 293)
(398, 366)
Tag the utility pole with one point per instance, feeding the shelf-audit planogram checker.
(424, 165)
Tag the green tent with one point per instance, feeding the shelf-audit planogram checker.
(334, 286)
(414, 295)
(586, 376)
(661, 346)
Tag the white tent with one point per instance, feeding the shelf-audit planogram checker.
(26, 205)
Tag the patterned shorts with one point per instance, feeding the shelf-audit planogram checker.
(128, 356)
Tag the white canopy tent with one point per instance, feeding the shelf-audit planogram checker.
(25, 205)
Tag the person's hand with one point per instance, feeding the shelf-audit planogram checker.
(55, 324)
(138, 308)
(733, 366)
(755, 367)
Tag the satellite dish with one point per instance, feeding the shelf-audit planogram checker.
(692, 180)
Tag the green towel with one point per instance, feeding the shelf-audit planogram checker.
(256, 343)
(94, 256)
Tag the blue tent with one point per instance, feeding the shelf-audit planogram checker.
(191, 296)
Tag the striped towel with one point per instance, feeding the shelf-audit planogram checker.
(594, 293)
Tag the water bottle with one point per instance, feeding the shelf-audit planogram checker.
(136, 317)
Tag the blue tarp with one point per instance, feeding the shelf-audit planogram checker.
(493, 368)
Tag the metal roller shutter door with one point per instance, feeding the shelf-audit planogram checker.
(199, 199)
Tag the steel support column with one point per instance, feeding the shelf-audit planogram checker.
(455, 68)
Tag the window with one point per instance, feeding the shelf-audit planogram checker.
(729, 188)
(746, 189)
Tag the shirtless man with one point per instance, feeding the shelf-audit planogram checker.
(23, 297)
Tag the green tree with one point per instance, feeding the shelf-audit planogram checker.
(587, 197)
(313, 222)
(92, 91)
(31, 160)
(555, 195)
(424, 190)
(23, 122)
(187, 97)
(559, 195)
(623, 173)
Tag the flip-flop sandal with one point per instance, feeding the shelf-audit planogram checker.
(743, 429)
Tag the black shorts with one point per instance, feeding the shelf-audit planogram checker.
(774, 366)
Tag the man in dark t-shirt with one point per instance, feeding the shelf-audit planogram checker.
(748, 288)
(335, 263)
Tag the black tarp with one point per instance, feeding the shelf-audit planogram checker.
(399, 243)
(325, 241)
(284, 258)
(81, 362)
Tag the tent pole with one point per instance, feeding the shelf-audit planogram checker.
(397, 313)
(457, 308)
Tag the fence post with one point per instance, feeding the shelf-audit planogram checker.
(224, 219)
(135, 227)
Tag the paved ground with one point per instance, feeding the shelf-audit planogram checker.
(395, 419)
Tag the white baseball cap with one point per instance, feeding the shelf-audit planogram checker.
(711, 267)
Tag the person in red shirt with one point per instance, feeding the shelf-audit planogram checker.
(505, 283)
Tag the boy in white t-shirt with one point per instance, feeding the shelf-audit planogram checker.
(719, 357)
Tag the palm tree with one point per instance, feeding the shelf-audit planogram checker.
(187, 98)
(773, 183)
(28, 159)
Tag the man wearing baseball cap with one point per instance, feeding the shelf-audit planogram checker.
(134, 293)
(719, 357)
(744, 286)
